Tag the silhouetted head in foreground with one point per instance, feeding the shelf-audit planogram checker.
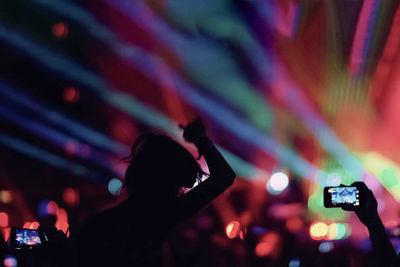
(159, 165)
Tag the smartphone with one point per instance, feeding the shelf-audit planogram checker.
(341, 196)
(25, 238)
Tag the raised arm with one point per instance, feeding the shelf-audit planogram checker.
(368, 215)
(221, 174)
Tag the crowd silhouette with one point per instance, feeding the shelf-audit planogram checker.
(159, 182)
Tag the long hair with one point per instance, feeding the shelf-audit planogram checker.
(160, 165)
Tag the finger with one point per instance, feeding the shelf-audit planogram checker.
(361, 186)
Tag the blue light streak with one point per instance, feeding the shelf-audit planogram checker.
(368, 36)
(212, 64)
(57, 138)
(298, 102)
(147, 115)
(243, 168)
(50, 158)
(83, 132)
(146, 62)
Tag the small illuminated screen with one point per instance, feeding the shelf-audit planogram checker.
(27, 237)
(344, 195)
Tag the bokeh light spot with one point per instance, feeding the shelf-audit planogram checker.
(3, 219)
(341, 230)
(71, 196)
(232, 229)
(332, 231)
(325, 247)
(10, 261)
(52, 208)
(294, 263)
(114, 186)
(42, 207)
(318, 230)
(294, 224)
(5, 196)
(34, 226)
(267, 245)
(71, 147)
(205, 222)
(123, 130)
(263, 249)
(277, 183)
(71, 94)
(60, 30)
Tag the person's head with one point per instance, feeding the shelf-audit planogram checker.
(158, 163)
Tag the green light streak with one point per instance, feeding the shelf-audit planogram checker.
(213, 65)
(387, 171)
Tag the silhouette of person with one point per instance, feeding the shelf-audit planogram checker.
(367, 213)
(132, 234)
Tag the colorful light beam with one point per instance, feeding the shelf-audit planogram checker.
(150, 116)
(244, 98)
(49, 158)
(362, 37)
(73, 127)
(58, 139)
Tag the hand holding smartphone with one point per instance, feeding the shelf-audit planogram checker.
(341, 197)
